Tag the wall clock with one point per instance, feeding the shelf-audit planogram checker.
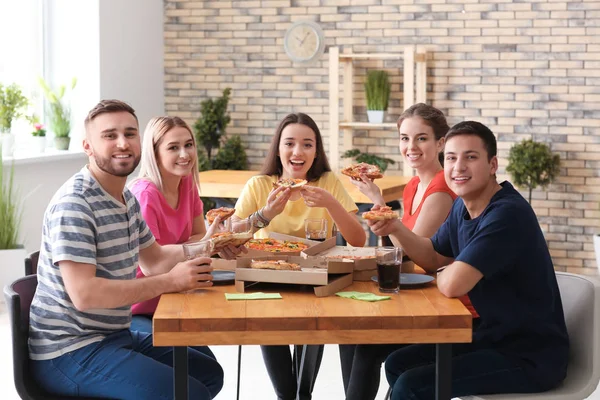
(304, 42)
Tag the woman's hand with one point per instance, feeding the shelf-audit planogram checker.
(213, 228)
(317, 197)
(369, 189)
(276, 202)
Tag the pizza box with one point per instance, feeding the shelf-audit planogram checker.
(281, 236)
(340, 251)
(336, 283)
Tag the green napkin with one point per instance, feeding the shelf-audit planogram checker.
(362, 296)
(252, 296)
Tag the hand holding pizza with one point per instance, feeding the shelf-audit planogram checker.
(230, 252)
(317, 197)
(368, 188)
(382, 227)
(276, 201)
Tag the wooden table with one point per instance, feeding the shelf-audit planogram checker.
(413, 316)
(229, 184)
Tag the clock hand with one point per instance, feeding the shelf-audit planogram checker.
(305, 36)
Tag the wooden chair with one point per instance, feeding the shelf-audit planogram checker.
(31, 263)
(18, 298)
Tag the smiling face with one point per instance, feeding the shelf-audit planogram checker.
(418, 145)
(467, 170)
(112, 143)
(297, 150)
(176, 153)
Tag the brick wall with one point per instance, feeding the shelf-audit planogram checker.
(526, 69)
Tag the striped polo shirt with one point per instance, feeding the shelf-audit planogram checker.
(84, 224)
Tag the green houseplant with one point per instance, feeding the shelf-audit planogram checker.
(59, 113)
(358, 156)
(10, 209)
(377, 92)
(532, 164)
(12, 105)
(213, 121)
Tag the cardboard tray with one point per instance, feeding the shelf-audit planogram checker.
(323, 251)
(336, 283)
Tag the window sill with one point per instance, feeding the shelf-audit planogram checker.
(50, 155)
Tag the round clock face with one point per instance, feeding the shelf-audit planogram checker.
(304, 41)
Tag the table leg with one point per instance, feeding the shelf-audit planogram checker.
(443, 371)
(299, 371)
(239, 371)
(180, 372)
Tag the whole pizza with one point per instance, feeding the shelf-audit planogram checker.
(223, 212)
(380, 214)
(275, 245)
(355, 170)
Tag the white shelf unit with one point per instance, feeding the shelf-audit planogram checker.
(415, 88)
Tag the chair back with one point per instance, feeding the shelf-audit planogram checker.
(31, 263)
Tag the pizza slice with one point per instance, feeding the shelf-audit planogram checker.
(382, 213)
(355, 170)
(290, 182)
(223, 239)
(279, 265)
(223, 212)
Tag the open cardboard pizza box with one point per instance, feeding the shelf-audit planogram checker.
(281, 236)
(335, 254)
(328, 278)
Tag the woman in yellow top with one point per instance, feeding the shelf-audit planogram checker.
(297, 152)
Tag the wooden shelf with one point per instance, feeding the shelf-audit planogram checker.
(366, 125)
(414, 72)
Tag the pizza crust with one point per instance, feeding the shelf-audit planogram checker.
(279, 265)
(290, 182)
(223, 212)
(370, 170)
(224, 239)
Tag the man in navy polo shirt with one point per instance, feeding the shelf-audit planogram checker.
(493, 249)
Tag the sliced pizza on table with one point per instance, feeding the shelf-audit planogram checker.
(224, 239)
(356, 170)
(279, 265)
(380, 214)
(223, 212)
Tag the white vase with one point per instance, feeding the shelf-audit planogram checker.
(38, 143)
(12, 265)
(8, 144)
(597, 248)
(375, 116)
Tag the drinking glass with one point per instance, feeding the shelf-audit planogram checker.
(389, 260)
(316, 229)
(241, 226)
(197, 249)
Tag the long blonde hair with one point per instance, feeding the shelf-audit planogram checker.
(153, 135)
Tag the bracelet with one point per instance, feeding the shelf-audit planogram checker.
(260, 215)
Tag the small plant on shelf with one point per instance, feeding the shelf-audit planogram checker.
(377, 92)
(60, 112)
(381, 162)
(532, 164)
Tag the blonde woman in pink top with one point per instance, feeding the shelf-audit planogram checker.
(167, 190)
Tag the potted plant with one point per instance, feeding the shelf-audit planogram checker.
(377, 91)
(211, 124)
(39, 137)
(59, 114)
(532, 164)
(358, 156)
(12, 253)
(12, 105)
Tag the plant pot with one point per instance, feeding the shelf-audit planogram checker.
(597, 248)
(375, 116)
(62, 142)
(12, 265)
(8, 144)
(38, 143)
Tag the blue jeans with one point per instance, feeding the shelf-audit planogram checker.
(125, 366)
(410, 372)
(143, 323)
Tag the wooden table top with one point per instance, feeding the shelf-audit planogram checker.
(229, 184)
(204, 317)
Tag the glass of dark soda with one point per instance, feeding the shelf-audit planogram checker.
(389, 260)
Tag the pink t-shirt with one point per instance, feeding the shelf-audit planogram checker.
(169, 225)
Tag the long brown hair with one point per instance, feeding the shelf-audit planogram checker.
(272, 164)
(432, 117)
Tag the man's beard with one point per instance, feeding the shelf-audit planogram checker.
(105, 165)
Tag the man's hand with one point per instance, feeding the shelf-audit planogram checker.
(191, 274)
(317, 197)
(384, 227)
(276, 202)
(231, 252)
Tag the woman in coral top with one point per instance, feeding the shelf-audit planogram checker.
(426, 201)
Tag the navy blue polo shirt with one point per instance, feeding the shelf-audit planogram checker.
(517, 299)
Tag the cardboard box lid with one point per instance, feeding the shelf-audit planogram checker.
(328, 251)
(334, 285)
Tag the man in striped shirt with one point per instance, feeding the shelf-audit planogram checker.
(93, 237)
